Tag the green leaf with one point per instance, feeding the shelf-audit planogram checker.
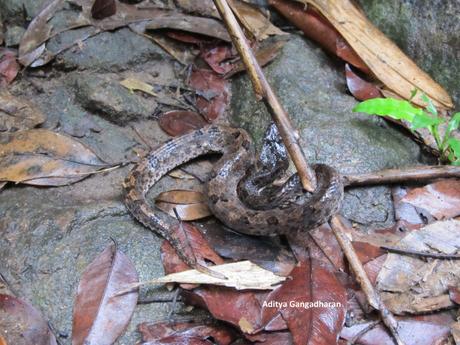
(453, 123)
(430, 106)
(394, 108)
(454, 145)
(425, 121)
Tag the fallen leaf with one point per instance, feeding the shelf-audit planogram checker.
(243, 275)
(400, 273)
(133, 84)
(309, 324)
(216, 56)
(183, 53)
(103, 8)
(37, 33)
(213, 93)
(186, 212)
(21, 323)
(228, 304)
(187, 37)
(45, 158)
(361, 89)
(193, 245)
(411, 332)
(264, 56)
(406, 215)
(98, 316)
(441, 199)
(254, 20)
(389, 64)
(9, 68)
(220, 334)
(262, 251)
(18, 114)
(177, 123)
(181, 196)
(318, 29)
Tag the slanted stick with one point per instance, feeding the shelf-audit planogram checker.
(264, 92)
(290, 138)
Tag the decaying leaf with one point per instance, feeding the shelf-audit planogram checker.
(441, 199)
(411, 332)
(361, 89)
(133, 84)
(183, 331)
(18, 114)
(21, 323)
(99, 317)
(42, 157)
(177, 123)
(189, 205)
(401, 273)
(254, 21)
(308, 324)
(9, 67)
(389, 64)
(318, 29)
(243, 275)
(181, 196)
(213, 93)
(103, 8)
(182, 53)
(264, 56)
(38, 32)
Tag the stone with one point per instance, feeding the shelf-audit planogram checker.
(312, 89)
(13, 35)
(12, 11)
(106, 51)
(104, 95)
(426, 30)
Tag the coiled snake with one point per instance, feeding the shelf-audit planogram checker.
(240, 190)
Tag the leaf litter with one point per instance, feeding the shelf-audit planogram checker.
(311, 279)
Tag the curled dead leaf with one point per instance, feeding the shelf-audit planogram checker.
(361, 89)
(186, 212)
(181, 196)
(99, 317)
(177, 123)
(42, 157)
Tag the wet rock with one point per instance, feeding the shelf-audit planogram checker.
(107, 51)
(18, 11)
(13, 35)
(428, 31)
(312, 89)
(104, 95)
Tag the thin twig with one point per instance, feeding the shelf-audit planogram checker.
(290, 138)
(404, 175)
(411, 252)
(264, 92)
(366, 329)
(373, 297)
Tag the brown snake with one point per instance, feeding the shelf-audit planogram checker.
(235, 177)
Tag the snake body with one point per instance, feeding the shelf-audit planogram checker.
(235, 194)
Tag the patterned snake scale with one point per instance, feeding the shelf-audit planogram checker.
(234, 180)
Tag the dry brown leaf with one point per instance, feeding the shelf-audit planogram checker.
(18, 114)
(103, 8)
(182, 53)
(254, 21)
(186, 212)
(390, 65)
(43, 157)
(181, 196)
(432, 278)
(243, 275)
